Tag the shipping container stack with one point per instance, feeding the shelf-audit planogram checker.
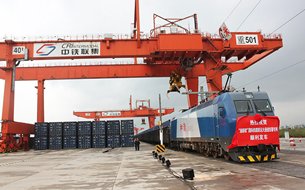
(41, 136)
(98, 134)
(84, 134)
(127, 131)
(113, 134)
(70, 135)
(55, 135)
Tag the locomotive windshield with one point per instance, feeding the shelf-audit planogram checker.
(262, 105)
(243, 106)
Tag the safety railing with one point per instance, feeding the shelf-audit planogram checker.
(73, 37)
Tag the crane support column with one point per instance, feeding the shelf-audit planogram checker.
(192, 84)
(40, 101)
(9, 93)
(8, 142)
(214, 75)
(151, 121)
(214, 82)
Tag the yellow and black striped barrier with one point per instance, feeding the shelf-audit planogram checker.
(256, 158)
(160, 148)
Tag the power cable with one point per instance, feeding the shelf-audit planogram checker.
(232, 10)
(248, 15)
(276, 72)
(288, 21)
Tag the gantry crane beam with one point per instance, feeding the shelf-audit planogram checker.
(122, 113)
(100, 71)
(144, 112)
(187, 50)
(164, 48)
(141, 110)
(110, 71)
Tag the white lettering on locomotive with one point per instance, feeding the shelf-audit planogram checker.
(261, 122)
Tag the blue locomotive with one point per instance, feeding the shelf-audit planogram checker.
(235, 125)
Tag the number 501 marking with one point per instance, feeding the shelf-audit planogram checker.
(18, 50)
(246, 39)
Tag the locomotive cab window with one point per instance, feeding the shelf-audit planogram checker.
(243, 106)
(262, 105)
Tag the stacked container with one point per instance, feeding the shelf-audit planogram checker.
(98, 134)
(113, 133)
(84, 134)
(127, 131)
(55, 135)
(41, 136)
(70, 135)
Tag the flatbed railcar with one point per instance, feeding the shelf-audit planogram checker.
(235, 125)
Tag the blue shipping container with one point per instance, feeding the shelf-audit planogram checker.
(55, 143)
(70, 128)
(55, 129)
(98, 128)
(41, 143)
(98, 141)
(127, 140)
(84, 128)
(84, 141)
(69, 142)
(41, 129)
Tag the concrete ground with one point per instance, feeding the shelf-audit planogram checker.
(124, 168)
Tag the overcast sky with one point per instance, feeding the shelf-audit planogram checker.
(77, 17)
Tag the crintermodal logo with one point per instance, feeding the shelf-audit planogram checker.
(46, 49)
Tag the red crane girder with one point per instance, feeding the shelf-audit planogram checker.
(164, 48)
(143, 112)
(123, 113)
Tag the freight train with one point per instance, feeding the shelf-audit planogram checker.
(239, 126)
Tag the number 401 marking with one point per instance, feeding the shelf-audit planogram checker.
(18, 50)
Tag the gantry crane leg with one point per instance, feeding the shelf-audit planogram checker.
(9, 93)
(214, 81)
(151, 121)
(214, 71)
(8, 142)
(192, 84)
(40, 101)
(9, 126)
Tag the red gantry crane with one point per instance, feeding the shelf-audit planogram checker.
(137, 130)
(169, 47)
(142, 109)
